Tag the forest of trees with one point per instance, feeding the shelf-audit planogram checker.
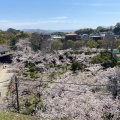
(11, 36)
(42, 41)
(115, 29)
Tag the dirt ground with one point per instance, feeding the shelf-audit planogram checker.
(5, 78)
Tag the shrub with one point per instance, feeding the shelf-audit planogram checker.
(105, 60)
(88, 53)
(64, 118)
(40, 105)
(28, 65)
(118, 63)
(32, 99)
(52, 75)
(77, 66)
(32, 69)
(92, 44)
(107, 116)
(34, 75)
(81, 52)
(28, 110)
(26, 74)
(56, 45)
(76, 52)
(119, 48)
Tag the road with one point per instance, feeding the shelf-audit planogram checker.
(4, 76)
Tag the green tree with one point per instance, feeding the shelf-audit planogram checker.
(117, 25)
(58, 33)
(116, 29)
(109, 41)
(68, 44)
(56, 45)
(119, 48)
(37, 40)
(77, 66)
(101, 43)
(102, 29)
(78, 44)
(104, 59)
(117, 43)
(92, 44)
(84, 31)
(11, 30)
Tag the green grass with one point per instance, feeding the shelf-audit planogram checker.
(13, 116)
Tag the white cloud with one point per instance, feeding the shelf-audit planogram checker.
(59, 18)
(63, 17)
(5, 24)
(3, 21)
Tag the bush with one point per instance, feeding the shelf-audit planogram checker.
(66, 53)
(26, 74)
(77, 66)
(81, 52)
(76, 52)
(64, 118)
(29, 65)
(40, 105)
(88, 53)
(119, 48)
(28, 110)
(52, 75)
(105, 60)
(118, 63)
(34, 75)
(31, 100)
(32, 69)
(56, 45)
(108, 116)
(92, 44)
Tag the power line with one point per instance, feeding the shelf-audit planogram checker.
(62, 89)
(72, 84)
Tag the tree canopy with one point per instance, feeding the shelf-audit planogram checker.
(84, 31)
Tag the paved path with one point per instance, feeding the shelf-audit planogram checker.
(4, 76)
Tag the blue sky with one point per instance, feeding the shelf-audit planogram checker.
(58, 14)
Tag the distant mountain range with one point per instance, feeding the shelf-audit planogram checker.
(46, 31)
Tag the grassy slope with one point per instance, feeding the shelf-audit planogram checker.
(12, 116)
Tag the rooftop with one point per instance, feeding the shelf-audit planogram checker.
(115, 51)
(57, 37)
(70, 34)
(95, 36)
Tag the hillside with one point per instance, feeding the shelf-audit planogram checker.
(49, 88)
(73, 81)
(46, 31)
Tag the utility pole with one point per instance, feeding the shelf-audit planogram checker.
(39, 89)
(17, 96)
